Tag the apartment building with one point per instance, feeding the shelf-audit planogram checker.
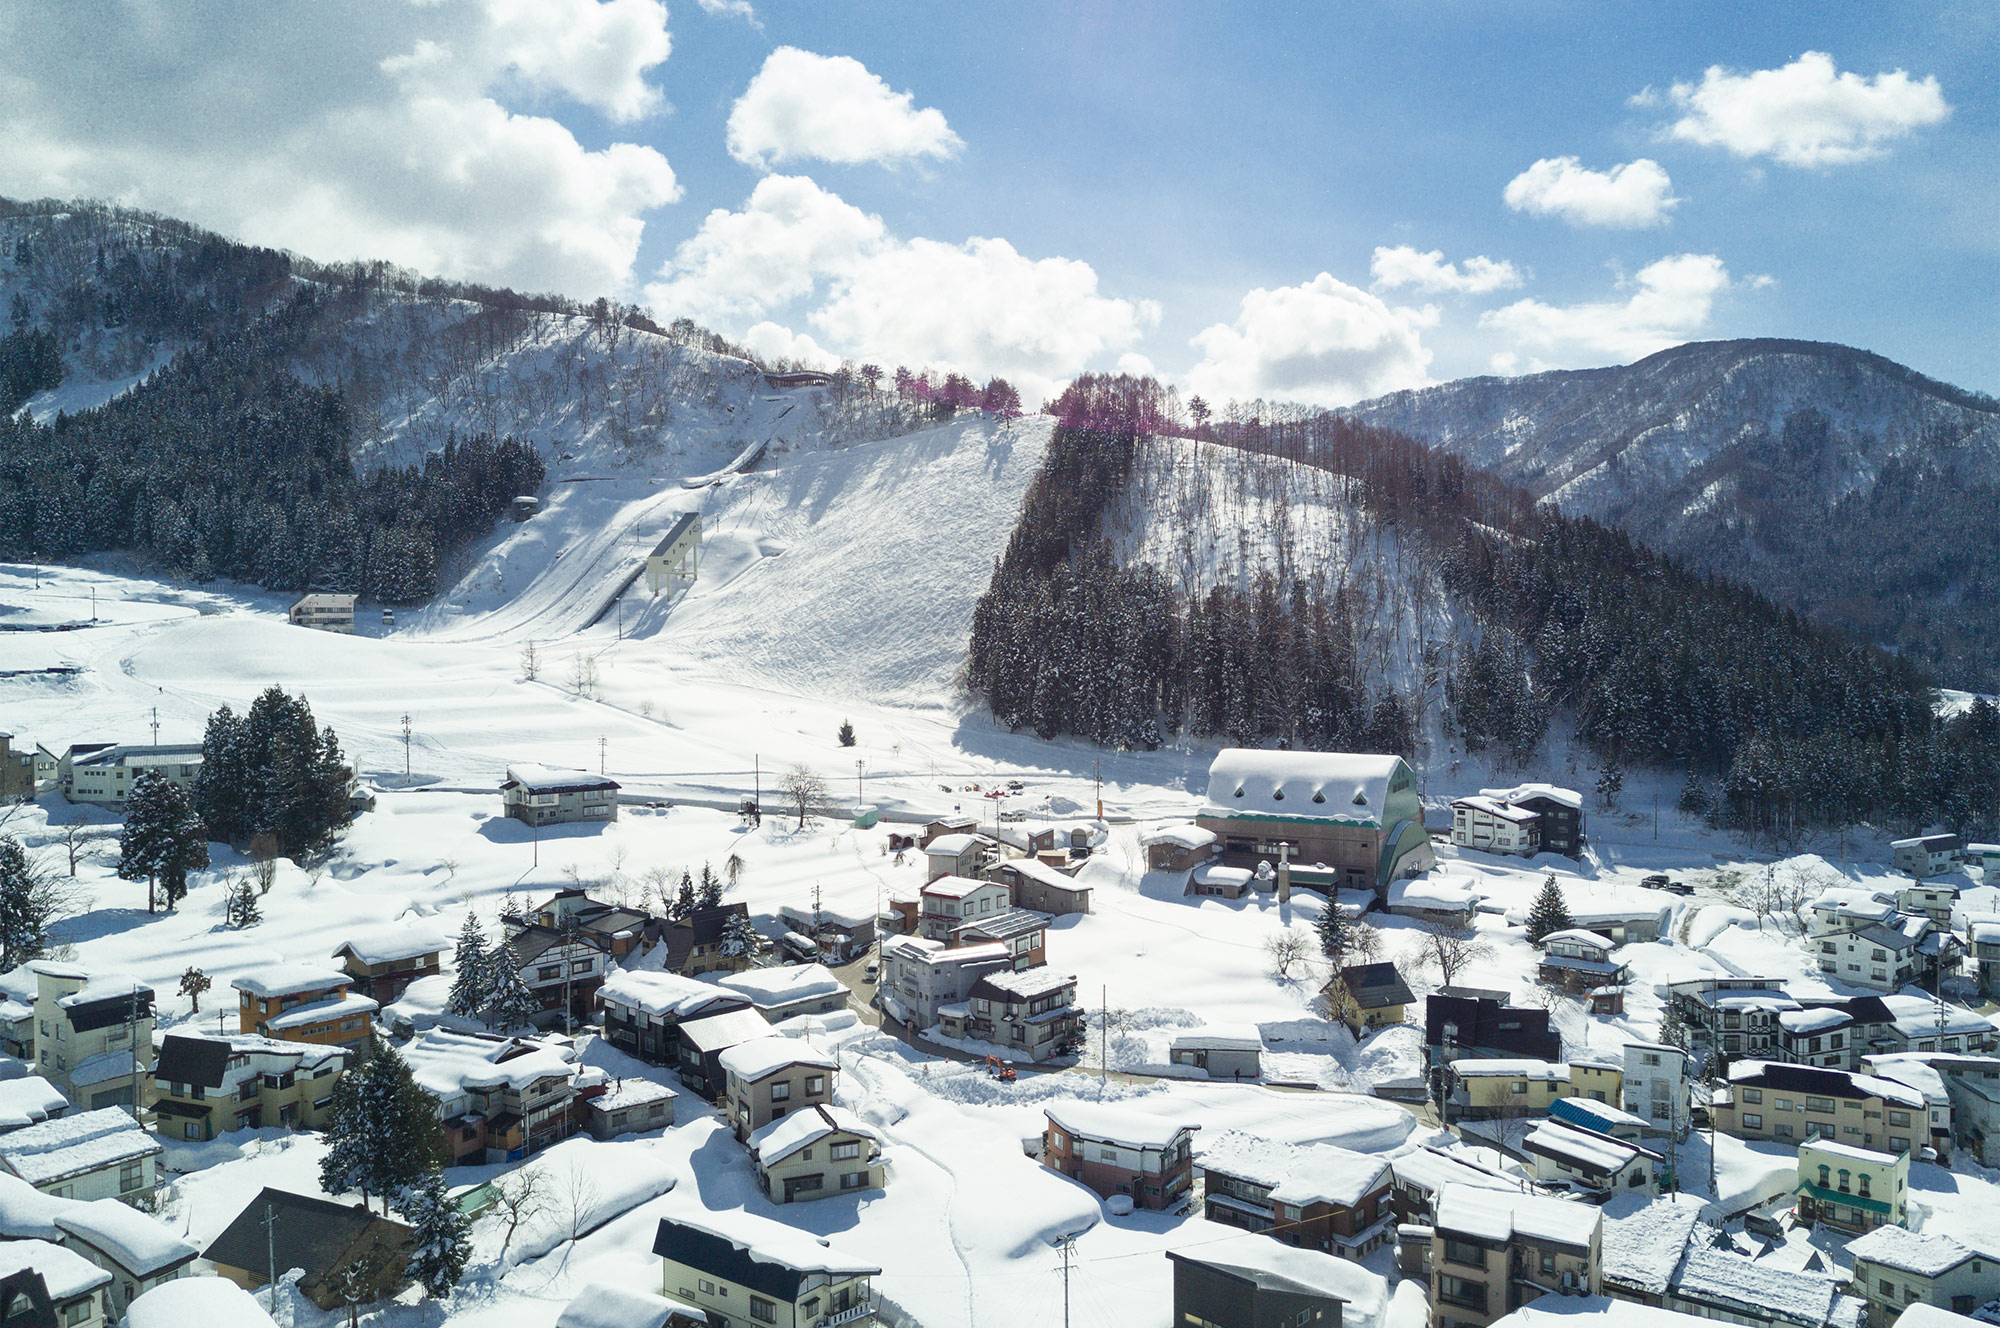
(1895, 1268)
(816, 1153)
(1890, 956)
(1933, 899)
(106, 776)
(1655, 1086)
(1032, 1013)
(1855, 1189)
(204, 1085)
(1493, 1252)
(304, 1003)
(93, 1036)
(324, 612)
(1927, 855)
(1793, 1103)
(919, 975)
(1316, 1196)
(1119, 1150)
(1492, 826)
(500, 1098)
(766, 1079)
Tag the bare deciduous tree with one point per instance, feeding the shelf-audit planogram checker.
(82, 842)
(521, 1197)
(805, 790)
(531, 662)
(1449, 948)
(1288, 949)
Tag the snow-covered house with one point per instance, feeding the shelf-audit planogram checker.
(1560, 810)
(1895, 1268)
(1116, 1149)
(1470, 1026)
(1850, 908)
(1816, 1036)
(1443, 902)
(1853, 1188)
(323, 611)
(1217, 881)
(1041, 887)
(1486, 1088)
(1716, 1284)
(207, 1083)
(1491, 826)
(630, 1106)
(962, 854)
(793, 989)
(1491, 1250)
(1368, 996)
(1656, 1085)
(139, 1251)
(95, 1038)
(303, 1003)
(1247, 1284)
(644, 1010)
(1315, 1195)
(1645, 1239)
(75, 1286)
(1927, 855)
(539, 795)
(500, 1098)
(1361, 816)
(949, 902)
(1984, 859)
(918, 976)
(1934, 900)
(841, 933)
(1889, 957)
(329, 1242)
(1030, 1013)
(1914, 1070)
(743, 1268)
(1579, 960)
(816, 1153)
(561, 969)
(1420, 1176)
(381, 962)
(1920, 1023)
(606, 1305)
(1178, 846)
(703, 1040)
(1793, 1103)
(29, 1100)
(1739, 1013)
(106, 776)
(766, 1079)
(1570, 1154)
(1221, 1052)
(1626, 917)
(101, 1154)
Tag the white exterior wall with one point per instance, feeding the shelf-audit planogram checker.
(1655, 1087)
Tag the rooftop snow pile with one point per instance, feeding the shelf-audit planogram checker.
(1363, 1295)
(1182, 834)
(24, 1102)
(1713, 1275)
(1330, 786)
(602, 1305)
(394, 943)
(446, 1064)
(288, 980)
(1644, 1240)
(139, 1243)
(1435, 896)
(1103, 1122)
(788, 1134)
(771, 988)
(755, 1059)
(1523, 792)
(69, 1145)
(1499, 1216)
(65, 1273)
(211, 1302)
(775, 1243)
(1296, 1173)
(658, 994)
(1925, 1255)
(538, 778)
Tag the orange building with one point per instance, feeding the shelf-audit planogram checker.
(304, 1003)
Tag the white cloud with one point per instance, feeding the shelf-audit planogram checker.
(1669, 302)
(1630, 195)
(831, 108)
(1805, 113)
(1324, 343)
(979, 308)
(1403, 265)
(404, 133)
(771, 342)
(730, 9)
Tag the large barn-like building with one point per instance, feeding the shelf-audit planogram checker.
(1351, 821)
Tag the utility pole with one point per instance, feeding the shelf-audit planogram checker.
(406, 747)
(603, 745)
(132, 1041)
(1097, 775)
(156, 726)
(1103, 1037)
(93, 603)
(816, 922)
(1066, 1245)
(857, 786)
(271, 1254)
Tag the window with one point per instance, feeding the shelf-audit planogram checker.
(1782, 1130)
(1518, 1086)
(815, 1084)
(1825, 1176)
(1107, 1155)
(191, 1131)
(1899, 1118)
(845, 1152)
(853, 1180)
(781, 1092)
(762, 1310)
(1754, 1096)
(707, 1287)
(1752, 1121)
(78, 1312)
(1819, 1104)
(1864, 1185)
(131, 1176)
(1458, 1291)
(1464, 1252)
(1548, 1261)
(548, 972)
(1784, 1104)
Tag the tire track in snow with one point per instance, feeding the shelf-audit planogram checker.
(950, 1204)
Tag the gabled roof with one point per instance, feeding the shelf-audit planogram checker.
(72, 1145)
(756, 1253)
(718, 1032)
(289, 980)
(1811, 1079)
(1376, 986)
(1296, 1173)
(660, 994)
(788, 1134)
(537, 778)
(308, 1233)
(957, 887)
(1104, 1122)
(1485, 1025)
(1496, 1215)
(387, 944)
(760, 1058)
(1270, 1265)
(1342, 787)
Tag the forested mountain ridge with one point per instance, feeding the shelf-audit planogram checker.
(1839, 483)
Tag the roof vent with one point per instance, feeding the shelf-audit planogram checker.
(1361, 797)
(1319, 796)
(1239, 790)
(1277, 795)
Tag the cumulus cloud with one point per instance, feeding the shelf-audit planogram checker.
(829, 107)
(772, 342)
(1806, 113)
(343, 131)
(1631, 195)
(1669, 302)
(980, 307)
(1403, 265)
(730, 9)
(1324, 343)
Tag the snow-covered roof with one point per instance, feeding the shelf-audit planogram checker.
(1710, 1274)
(1814, 1021)
(1917, 1016)
(1579, 936)
(23, 1102)
(1499, 1215)
(1296, 1173)
(950, 846)
(774, 988)
(1594, 1311)
(537, 778)
(1473, 1067)
(658, 993)
(1214, 873)
(1912, 1069)
(27, 1213)
(1925, 1254)
(767, 1241)
(603, 1305)
(631, 1092)
(1644, 1239)
(71, 1145)
(446, 1063)
(65, 1273)
(1818, 1079)
(958, 887)
(320, 1012)
(289, 980)
(1495, 807)
(1523, 792)
(1185, 834)
(1336, 786)
(1852, 1152)
(1428, 1169)
(1918, 1314)
(788, 1134)
(1363, 1295)
(103, 989)
(140, 1244)
(1220, 1037)
(386, 945)
(212, 1302)
(1442, 896)
(103, 1068)
(1029, 983)
(1599, 1152)
(760, 1057)
(1927, 841)
(830, 915)
(1108, 1123)
(1037, 870)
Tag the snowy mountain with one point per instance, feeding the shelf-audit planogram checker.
(1838, 482)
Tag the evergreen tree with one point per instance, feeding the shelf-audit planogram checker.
(739, 939)
(1693, 800)
(242, 910)
(470, 984)
(684, 900)
(383, 1131)
(1551, 912)
(164, 839)
(509, 1003)
(442, 1235)
(710, 895)
(193, 983)
(272, 772)
(846, 733)
(1610, 783)
(1335, 936)
(27, 906)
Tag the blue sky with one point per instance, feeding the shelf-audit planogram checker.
(1201, 189)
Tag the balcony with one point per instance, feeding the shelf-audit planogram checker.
(849, 1315)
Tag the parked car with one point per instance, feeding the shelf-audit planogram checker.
(1657, 881)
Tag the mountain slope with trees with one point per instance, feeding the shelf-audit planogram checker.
(1839, 483)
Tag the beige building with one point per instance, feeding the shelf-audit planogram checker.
(1493, 1252)
(676, 560)
(1856, 1189)
(106, 776)
(93, 1036)
(1895, 1268)
(750, 1270)
(324, 612)
(768, 1078)
(1793, 1103)
(100, 1154)
(1490, 1087)
(206, 1084)
(537, 795)
(817, 1153)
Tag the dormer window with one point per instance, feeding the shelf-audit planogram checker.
(1360, 798)
(1318, 796)
(1277, 795)
(1239, 790)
